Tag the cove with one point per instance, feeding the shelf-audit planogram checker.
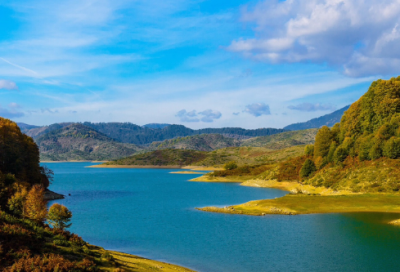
(150, 213)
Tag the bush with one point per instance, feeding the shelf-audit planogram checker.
(107, 256)
(307, 169)
(230, 165)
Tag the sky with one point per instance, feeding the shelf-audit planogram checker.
(199, 63)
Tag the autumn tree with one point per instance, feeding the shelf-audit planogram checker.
(35, 205)
(16, 202)
(59, 216)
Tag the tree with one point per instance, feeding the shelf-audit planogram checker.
(230, 165)
(307, 169)
(340, 155)
(391, 148)
(323, 141)
(331, 152)
(59, 216)
(309, 150)
(16, 202)
(35, 205)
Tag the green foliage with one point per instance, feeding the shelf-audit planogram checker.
(331, 152)
(323, 142)
(340, 154)
(230, 165)
(392, 148)
(307, 169)
(309, 150)
(59, 216)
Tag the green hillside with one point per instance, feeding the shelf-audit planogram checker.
(78, 142)
(203, 142)
(166, 157)
(283, 140)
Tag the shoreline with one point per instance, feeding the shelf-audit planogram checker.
(137, 166)
(306, 199)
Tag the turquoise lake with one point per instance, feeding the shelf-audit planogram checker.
(151, 213)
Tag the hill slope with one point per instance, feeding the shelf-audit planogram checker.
(78, 142)
(283, 140)
(130, 133)
(203, 142)
(326, 120)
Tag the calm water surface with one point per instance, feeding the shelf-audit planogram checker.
(150, 212)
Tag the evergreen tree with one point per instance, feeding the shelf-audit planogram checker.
(307, 169)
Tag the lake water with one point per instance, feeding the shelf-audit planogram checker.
(149, 212)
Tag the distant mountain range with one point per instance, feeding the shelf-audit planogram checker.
(107, 141)
(326, 120)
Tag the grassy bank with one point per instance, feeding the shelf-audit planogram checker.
(306, 204)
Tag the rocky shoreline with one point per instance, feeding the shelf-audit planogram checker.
(50, 195)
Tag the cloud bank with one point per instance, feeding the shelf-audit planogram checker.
(359, 37)
(309, 107)
(257, 109)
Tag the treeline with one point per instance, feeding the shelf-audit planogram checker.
(130, 133)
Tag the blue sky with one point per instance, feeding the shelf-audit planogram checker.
(198, 63)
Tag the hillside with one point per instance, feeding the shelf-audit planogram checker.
(282, 140)
(166, 157)
(326, 120)
(216, 158)
(78, 142)
(27, 242)
(134, 134)
(203, 142)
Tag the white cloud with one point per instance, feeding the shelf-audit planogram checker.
(258, 109)
(312, 107)
(8, 85)
(358, 37)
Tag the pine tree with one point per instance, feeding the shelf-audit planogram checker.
(307, 169)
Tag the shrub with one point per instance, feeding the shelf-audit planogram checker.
(230, 165)
(107, 256)
(307, 169)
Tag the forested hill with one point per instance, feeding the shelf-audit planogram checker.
(326, 120)
(79, 142)
(138, 135)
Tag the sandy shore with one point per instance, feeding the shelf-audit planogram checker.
(137, 166)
